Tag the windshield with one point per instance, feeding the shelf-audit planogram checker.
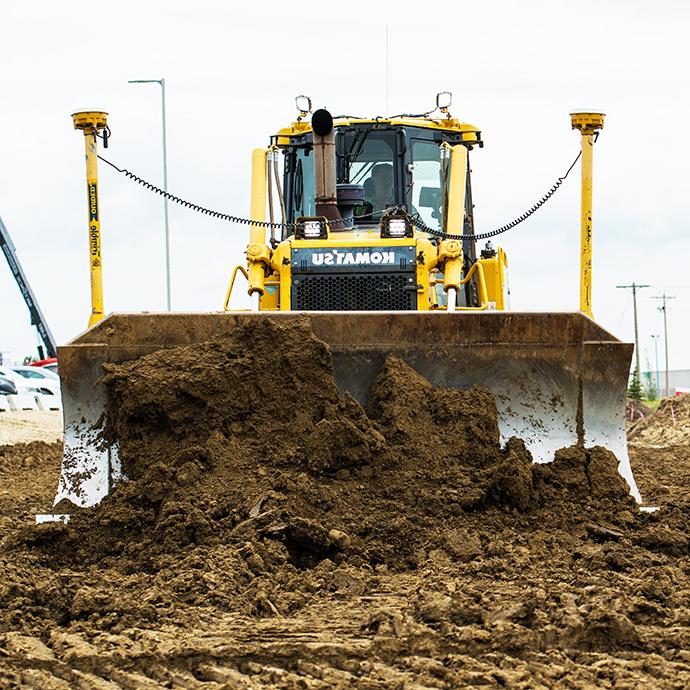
(395, 166)
(368, 159)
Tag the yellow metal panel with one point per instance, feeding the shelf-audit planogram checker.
(280, 261)
(270, 300)
(494, 275)
(457, 189)
(426, 260)
(257, 233)
(353, 240)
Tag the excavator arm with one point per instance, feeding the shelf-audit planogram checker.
(37, 318)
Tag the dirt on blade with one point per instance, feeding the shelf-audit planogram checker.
(273, 534)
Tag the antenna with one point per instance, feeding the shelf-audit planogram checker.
(387, 110)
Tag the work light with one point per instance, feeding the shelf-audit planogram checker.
(396, 225)
(443, 100)
(303, 104)
(311, 229)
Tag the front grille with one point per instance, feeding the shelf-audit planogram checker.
(354, 292)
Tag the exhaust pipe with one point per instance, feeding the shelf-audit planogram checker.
(325, 190)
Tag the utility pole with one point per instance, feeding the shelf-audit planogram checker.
(655, 338)
(635, 287)
(662, 308)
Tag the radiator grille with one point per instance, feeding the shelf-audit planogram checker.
(354, 292)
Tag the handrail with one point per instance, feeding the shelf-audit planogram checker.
(232, 283)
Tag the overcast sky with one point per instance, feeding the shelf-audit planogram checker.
(516, 69)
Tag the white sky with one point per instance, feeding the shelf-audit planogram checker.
(516, 69)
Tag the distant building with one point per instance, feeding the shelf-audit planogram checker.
(679, 378)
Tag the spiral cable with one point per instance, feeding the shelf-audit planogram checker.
(420, 225)
(416, 221)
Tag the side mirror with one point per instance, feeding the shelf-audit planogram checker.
(430, 197)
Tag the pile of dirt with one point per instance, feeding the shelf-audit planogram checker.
(668, 425)
(245, 442)
(635, 410)
(274, 534)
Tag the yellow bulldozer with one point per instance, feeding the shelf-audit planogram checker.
(368, 233)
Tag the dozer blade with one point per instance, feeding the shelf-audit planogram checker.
(558, 378)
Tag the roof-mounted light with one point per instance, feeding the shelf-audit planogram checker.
(443, 100)
(303, 104)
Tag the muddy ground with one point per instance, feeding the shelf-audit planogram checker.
(272, 535)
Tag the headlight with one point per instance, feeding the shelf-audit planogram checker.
(311, 229)
(396, 226)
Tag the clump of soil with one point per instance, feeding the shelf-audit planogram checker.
(668, 425)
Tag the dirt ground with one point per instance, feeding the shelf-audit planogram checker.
(30, 425)
(274, 536)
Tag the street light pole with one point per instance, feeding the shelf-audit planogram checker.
(662, 308)
(165, 183)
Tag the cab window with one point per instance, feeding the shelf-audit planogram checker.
(428, 188)
(303, 184)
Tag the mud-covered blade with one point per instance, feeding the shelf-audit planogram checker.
(558, 378)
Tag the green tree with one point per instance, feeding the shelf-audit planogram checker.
(635, 388)
(650, 391)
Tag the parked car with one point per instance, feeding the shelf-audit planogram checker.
(7, 386)
(51, 364)
(24, 386)
(40, 377)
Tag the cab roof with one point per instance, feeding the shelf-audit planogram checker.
(470, 134)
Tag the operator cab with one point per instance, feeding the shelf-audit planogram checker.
(398, 163)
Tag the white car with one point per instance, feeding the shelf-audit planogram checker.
(47, 385)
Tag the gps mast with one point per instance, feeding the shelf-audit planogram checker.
(37, 318)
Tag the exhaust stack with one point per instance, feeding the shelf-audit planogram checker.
(325, 190)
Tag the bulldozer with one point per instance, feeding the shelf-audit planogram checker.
(368, 233)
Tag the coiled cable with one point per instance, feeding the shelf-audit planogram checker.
(416, 221)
